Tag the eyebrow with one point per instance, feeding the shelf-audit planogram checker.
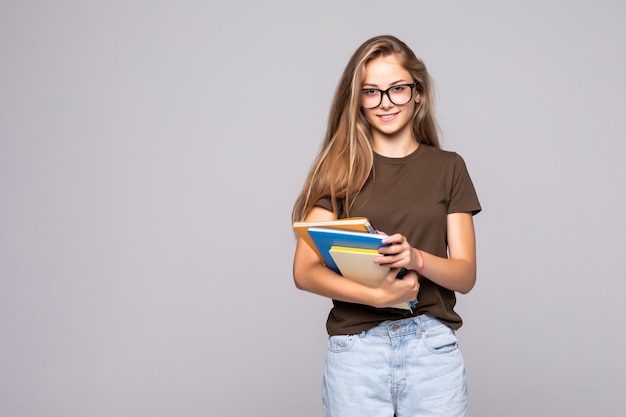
(402, 81)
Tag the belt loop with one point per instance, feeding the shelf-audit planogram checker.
(418, 323)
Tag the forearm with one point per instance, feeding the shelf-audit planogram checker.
(454, 274)
(318, 279)
(458, 271)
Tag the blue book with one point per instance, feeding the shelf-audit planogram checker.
(326, 238)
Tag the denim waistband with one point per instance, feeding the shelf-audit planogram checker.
(398, 328)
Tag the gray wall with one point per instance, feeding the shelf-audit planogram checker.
(150, 153)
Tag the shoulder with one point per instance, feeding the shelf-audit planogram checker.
(448, 164)
(441, 156)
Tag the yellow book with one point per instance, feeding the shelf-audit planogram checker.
(358, 265)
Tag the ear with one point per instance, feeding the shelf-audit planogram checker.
(417, 98)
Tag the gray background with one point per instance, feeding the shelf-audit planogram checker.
(151, 151)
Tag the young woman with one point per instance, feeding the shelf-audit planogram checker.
(381, 159)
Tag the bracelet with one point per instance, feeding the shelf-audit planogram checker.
(422, 257)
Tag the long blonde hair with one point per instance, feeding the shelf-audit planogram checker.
(346, 157)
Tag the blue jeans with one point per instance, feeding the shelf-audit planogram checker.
(410, 368)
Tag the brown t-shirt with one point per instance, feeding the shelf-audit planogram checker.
(410, 195)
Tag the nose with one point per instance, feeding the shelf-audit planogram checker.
(386, 100)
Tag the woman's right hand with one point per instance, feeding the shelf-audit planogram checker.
(394, 291)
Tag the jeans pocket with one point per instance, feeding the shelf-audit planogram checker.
(441, 340)
(341, 343)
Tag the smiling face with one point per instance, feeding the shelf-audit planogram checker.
(389, 121)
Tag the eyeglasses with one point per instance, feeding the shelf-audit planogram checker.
(398, 94)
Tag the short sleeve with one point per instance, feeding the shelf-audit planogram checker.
(463, 196)
(325, 202)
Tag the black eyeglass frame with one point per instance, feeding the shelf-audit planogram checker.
(383, 92)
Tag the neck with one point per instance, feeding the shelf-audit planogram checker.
(395, 149)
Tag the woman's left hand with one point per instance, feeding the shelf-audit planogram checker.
(399, 253)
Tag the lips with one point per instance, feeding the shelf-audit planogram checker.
(388, 117)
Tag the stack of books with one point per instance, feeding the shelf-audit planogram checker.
(348, 247)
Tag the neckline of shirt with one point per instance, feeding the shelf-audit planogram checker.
(401, 160)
